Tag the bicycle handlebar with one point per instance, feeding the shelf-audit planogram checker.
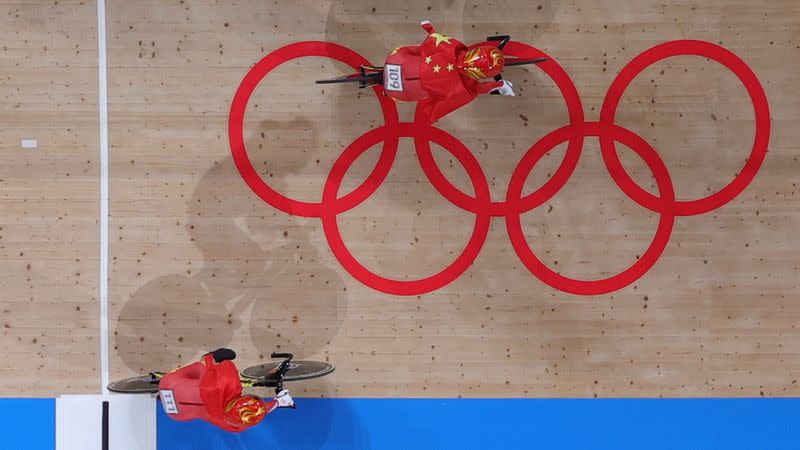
(503, 40)
(282, 355)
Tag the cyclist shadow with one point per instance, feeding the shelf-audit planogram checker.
(317, 424)
(260, 269)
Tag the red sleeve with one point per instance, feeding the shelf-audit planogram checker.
(486, 86)
(220, 384)
(447, 89)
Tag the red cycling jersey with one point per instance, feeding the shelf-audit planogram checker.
(428, 73)
(202, 391)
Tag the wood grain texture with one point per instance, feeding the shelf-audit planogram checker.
(199, 261)
(49, 235)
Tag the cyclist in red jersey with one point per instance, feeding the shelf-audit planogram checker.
(443, 74)
(211, 390)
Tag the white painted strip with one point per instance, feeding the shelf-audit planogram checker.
(78, 423)
(29, 143)
(131, 424)
(103, 103)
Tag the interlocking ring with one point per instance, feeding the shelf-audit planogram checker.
(515, 204)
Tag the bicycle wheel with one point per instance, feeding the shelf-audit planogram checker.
(143, 384)
(298, 370)
(510, 62)
(355, 78)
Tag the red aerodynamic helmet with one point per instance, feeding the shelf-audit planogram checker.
(245, 411)
(481, 63)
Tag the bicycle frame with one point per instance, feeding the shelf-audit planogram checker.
(278, 372)
(368, 76)
(273, 379)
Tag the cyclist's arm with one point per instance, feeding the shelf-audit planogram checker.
(487, 86)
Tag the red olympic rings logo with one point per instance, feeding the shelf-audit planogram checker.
(515, 203)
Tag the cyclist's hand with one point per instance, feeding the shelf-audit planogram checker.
(506, 89)
(284, 399)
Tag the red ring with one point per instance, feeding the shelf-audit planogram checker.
(406, 287)
(645, 262)
(760, 142)
(239, 107)
(514, 204)
(553, 185)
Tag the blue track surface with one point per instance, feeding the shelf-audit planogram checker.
(377, 424)
(28, 424)
(342, 424)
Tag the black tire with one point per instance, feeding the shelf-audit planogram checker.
(143, 384)
(511, 62)
(298, 370)
(350, 79)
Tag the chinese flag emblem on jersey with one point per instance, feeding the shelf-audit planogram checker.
(447, 89)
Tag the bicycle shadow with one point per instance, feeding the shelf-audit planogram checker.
(260, 269)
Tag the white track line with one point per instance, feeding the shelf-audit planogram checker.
(103, 104)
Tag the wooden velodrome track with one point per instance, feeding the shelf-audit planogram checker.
(197, 260)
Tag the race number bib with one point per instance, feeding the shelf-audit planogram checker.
(393, 75)
(168, 401)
